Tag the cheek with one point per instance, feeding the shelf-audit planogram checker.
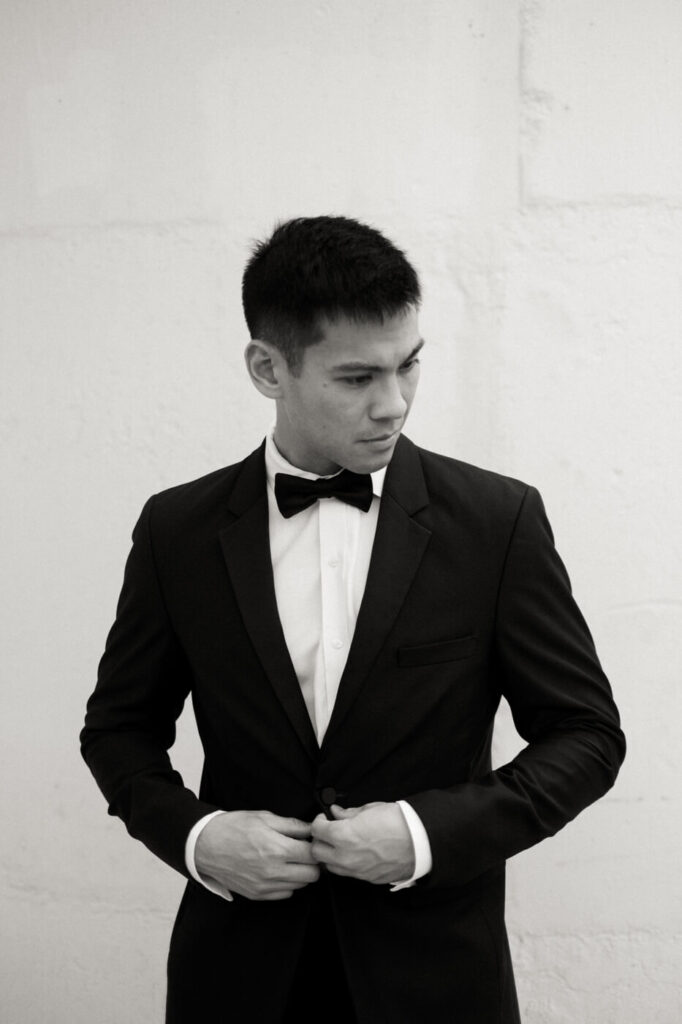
(340, 413)
(411, 386)
(322, 419)
(327, 412)
(310, 410)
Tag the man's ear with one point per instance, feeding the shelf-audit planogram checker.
(266, 367)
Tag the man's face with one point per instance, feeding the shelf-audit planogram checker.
(347, 405)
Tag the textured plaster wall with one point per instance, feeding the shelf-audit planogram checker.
(528, 156)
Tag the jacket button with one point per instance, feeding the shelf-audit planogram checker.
(328, 796)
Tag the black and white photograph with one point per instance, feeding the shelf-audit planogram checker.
(341, 573)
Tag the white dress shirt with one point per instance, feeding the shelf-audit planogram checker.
(320, 561)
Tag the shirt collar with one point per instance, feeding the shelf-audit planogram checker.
(276, 463)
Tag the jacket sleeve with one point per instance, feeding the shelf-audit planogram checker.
(562, 706)
(142, 683)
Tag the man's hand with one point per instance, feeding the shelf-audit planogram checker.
(256, 854)
(371, 842)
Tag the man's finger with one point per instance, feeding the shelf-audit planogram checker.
(298, 875)
(336, 869)
(325, 830)
(323, 853)
(292, 827)
(344, 812)
(298, 851)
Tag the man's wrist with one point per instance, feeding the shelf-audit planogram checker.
(190, 849)
(423, 859)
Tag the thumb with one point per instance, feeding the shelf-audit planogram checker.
(344, 812)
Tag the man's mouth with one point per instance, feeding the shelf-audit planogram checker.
(380, 437)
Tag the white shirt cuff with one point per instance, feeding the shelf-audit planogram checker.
(190, 846)
(423, 860)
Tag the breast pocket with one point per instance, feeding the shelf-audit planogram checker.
(437, 653)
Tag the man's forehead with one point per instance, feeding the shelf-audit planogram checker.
(347, 343)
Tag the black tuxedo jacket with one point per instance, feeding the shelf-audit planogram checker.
(466, 600)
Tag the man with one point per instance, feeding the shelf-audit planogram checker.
(346, 610)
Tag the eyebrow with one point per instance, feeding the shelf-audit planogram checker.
(370, 367)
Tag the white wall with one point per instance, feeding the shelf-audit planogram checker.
(527, 155)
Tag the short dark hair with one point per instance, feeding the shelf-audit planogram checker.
(315, 267)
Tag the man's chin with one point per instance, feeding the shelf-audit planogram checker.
(371, 462)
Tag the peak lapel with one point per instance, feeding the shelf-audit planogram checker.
(399, 545)
(246, 549)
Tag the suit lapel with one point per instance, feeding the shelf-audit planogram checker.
(399, 545)
(246, 549)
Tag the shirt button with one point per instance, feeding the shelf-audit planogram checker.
(337, 644)
(333, 562)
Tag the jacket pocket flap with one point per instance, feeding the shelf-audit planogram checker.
(433, 654)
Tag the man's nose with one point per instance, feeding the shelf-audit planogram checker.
(388, 402)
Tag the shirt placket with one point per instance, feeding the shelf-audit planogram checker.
(335, 635)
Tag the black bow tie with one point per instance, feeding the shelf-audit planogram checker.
(294, 493)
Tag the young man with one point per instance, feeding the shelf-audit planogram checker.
(346, 610)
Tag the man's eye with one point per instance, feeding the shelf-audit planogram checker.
(410, 365)
(357, 381)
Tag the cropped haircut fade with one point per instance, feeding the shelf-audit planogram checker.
(315, 268)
